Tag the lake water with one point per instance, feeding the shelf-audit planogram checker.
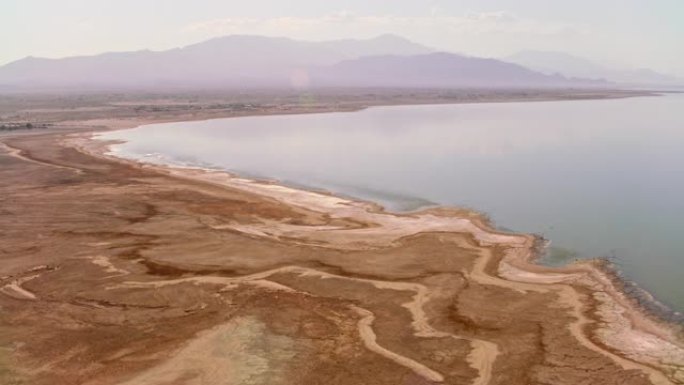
(597, 177)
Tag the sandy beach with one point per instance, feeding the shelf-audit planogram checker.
(117, 272)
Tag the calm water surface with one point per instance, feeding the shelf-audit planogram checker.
(599, 178)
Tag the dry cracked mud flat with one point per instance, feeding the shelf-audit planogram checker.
(113, 273)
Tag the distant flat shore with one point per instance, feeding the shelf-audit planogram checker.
(112, 110)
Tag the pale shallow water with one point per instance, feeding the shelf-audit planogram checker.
(599, 177)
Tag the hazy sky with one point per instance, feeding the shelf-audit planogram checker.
(621, 33)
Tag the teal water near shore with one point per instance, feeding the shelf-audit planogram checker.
(596, 177)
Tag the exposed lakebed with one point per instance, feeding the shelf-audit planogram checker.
(596, 177)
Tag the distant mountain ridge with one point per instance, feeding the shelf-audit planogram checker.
(436, 70)
(245, 61)
(550, 62)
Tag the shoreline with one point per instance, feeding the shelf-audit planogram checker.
(636, 321)
(640, 298)
(637, 296)
(325, 101)
(604, 317)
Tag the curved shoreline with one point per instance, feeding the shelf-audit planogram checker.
(606, 268)
(520, 254)
(100, 225)
(640, 298)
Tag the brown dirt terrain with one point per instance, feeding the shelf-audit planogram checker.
(112, 273)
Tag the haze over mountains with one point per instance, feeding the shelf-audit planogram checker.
(241, 61)
(436, 70)
(569, 65)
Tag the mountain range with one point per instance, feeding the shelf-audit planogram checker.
(243, 61)
(562, 63)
